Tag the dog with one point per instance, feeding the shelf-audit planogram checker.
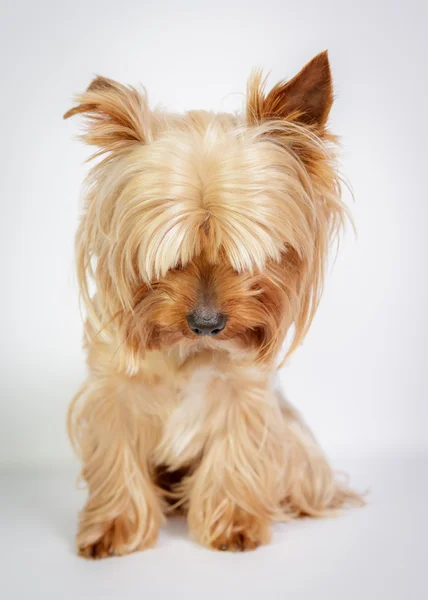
(201, 247)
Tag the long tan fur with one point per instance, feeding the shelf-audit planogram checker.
(236, 213)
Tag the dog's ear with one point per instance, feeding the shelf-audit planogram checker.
(116, 114)
(305, 99)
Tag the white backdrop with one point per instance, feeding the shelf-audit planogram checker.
(360, 378)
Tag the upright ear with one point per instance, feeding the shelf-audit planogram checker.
(306, 99)
(117, 115)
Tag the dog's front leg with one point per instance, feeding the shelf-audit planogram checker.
(237, 489)
(123, 512)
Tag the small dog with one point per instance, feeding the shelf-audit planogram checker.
(202, 243)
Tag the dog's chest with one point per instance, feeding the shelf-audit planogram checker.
(190, 418)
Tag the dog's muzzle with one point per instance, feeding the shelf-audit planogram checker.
(206, 321)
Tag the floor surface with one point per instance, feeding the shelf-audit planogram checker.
(379, 552)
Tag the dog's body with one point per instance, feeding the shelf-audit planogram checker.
(205, 236)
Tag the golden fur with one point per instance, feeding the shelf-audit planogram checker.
(181, 211)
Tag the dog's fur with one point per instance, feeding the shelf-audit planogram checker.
(236, 213)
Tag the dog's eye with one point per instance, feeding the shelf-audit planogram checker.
(256, 288)
(176, 269)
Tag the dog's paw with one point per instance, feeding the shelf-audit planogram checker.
(236, 542)
(245, 533)
(117, 538)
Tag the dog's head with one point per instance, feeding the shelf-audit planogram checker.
(209, 230)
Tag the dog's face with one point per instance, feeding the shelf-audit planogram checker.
(211, 305)
(209, 231)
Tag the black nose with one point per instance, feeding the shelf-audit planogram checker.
(206, 321)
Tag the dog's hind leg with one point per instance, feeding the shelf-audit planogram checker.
(313, 488)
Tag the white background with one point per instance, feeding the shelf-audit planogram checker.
(361, 377)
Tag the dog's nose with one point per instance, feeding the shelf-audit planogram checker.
(206, 321)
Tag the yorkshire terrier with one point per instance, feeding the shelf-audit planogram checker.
(202, 244)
